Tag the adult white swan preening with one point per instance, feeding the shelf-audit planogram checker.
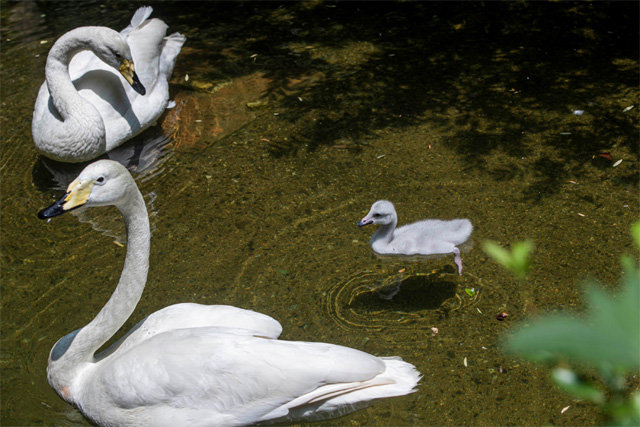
(85, 106)
(197, 365)
(427, 237)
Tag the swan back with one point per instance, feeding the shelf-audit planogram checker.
(455, 231)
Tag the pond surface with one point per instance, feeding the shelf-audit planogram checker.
(293, 120)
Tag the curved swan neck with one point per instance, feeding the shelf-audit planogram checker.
(64, 95)
(130, 286)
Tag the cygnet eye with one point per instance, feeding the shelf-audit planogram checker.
(377, 215)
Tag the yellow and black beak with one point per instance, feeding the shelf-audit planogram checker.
(128, 72)
(77, 195)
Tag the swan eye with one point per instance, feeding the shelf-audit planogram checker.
(100, 180)
(377, 215)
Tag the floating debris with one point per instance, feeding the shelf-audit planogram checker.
(434, 331)
(256, 104)
(578, 112)
(581, 214)
(565, 133)
(465, 362)
(502, 316)
(380, 156)
(471, 291)
(565, 409)
(606, 155)
(617, 163)
(629, 108)
(186, 77)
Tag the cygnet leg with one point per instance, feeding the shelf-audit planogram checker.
(458, 259)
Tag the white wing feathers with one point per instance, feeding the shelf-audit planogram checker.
(227, 373)
(138, 18)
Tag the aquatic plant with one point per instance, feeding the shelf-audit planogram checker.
(604, 340)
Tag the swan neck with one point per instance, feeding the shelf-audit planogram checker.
(385, 232)
(130, 286)
(64, 94)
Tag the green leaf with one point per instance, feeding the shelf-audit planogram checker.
(608, 337)
(517, 261)
(497, 252)
(624, 412)
(635, 233)
(567, 380)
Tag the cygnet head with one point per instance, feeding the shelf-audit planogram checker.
(382, 212)
(102, 183)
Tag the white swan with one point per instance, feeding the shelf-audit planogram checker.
(427, 237)
(85, 108)
(196, 365)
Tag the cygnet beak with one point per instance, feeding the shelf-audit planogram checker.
(365, 221)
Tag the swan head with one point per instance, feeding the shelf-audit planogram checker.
(102, 183)
(382, 212)
(113, 49)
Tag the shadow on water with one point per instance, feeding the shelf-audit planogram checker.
(342, 72)
(415, 293)
(143, 156)
(402, 61)
(346, 70)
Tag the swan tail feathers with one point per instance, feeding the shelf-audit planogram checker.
(170, 49)
(466, 228)
(458, 231)
(331, 400)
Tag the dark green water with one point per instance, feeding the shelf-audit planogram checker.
(294, 119)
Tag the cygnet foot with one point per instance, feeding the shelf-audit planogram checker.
(388, 292)
(458, 260)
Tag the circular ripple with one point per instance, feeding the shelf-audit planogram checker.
(402, 299)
